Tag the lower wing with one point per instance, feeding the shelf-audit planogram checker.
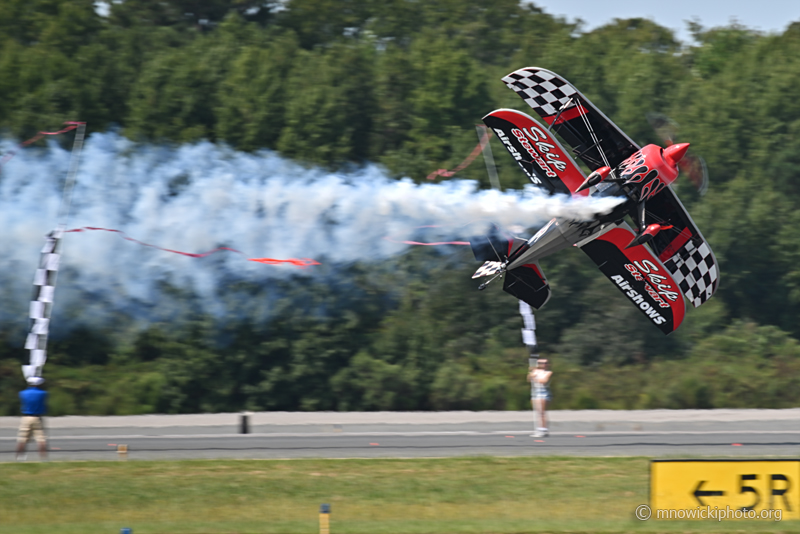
(640, 275)
(683, 250)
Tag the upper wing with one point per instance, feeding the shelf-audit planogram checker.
(593, 137)
(537, 152)
(682, 249)
(641, 277)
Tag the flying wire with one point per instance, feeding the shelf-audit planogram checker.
(588, 124)
(558, 115)
(69, 184)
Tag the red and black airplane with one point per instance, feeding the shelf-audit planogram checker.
(655, 266)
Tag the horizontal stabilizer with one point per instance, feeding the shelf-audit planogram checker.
(528, 284)
(488, 269)
(640, 276)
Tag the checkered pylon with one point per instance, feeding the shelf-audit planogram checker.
(44, 286)
(529, 323)
(695, 271)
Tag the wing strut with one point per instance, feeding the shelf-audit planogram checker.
(488, 157)
(588, 125)
(560, 111)
(640, 220)
(582, 154)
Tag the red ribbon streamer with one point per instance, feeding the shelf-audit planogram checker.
(13, 152)
(466, 163)
(301, 263)
(436, 244)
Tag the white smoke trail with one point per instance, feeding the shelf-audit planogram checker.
(197, 197)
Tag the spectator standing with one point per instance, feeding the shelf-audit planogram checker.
(539, 377)
(34, 407)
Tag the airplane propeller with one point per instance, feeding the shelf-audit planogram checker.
(693, 166)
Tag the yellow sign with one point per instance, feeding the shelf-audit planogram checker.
(747, 485)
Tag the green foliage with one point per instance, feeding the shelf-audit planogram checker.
(403, 83)
(328, 119)
(372, 384)
(252, 97)
(449, 93)
(175, 94)
(741, 366)
(453, 388)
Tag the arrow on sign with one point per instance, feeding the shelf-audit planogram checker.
(705, 493)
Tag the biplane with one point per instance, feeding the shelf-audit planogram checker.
(656, 264)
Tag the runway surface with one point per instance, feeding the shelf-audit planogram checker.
(717, 433)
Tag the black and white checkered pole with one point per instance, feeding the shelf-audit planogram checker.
(44, 281)
(44, 287)
(529, 339)
(529, 332)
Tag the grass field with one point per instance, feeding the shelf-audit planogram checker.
(453, 495)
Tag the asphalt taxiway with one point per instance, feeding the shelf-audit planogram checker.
(652, 433)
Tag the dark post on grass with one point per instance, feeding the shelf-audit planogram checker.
(324, 519)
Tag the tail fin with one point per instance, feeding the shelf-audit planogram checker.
(495, 245)
(525, 282)
(528, 284)
(489, 247)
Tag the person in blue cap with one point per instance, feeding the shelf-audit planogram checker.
(34, 406)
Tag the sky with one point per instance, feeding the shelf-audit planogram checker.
(762, 15)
